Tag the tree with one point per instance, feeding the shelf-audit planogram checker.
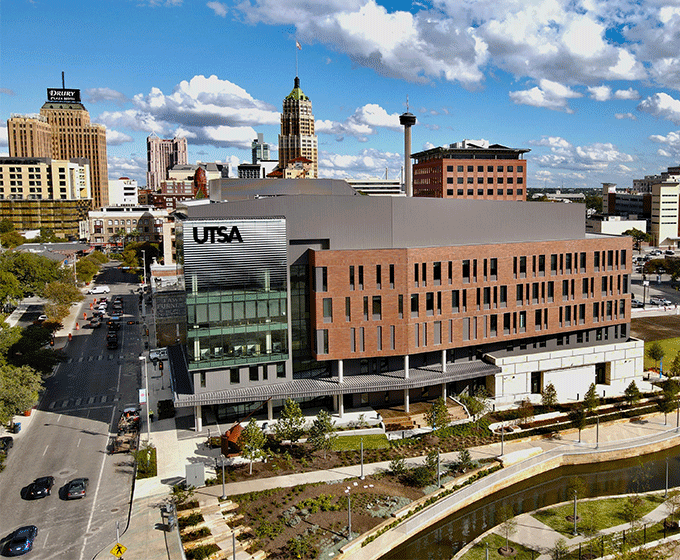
(655, 352)
(674, 370)
(6, 225)
(252, 442)
(62, 293)
(591, 400)
(438, 416)
(478, 404)
(321, 435)
(668, 399)
(525, 411)
(11, 239)
(638, 236)
(508, 524)
(19, 388)
(632, 394)
(633, 510)
(549, 396)
(181, 494)
(578, 419)
(291, 422)
(673, 502)
(10, 288)
(559, 550)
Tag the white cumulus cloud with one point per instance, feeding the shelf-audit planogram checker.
(564, 155)
(115, 138)
(600, 93)
(364, 122)
(98, 95)
(367, 163)
(219, 8)
(661, 105)
(549, 95)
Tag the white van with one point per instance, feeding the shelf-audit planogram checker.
(99, 290)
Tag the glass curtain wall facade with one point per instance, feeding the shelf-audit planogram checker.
(236, 292)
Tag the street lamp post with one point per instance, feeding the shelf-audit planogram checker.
(597, 434)
(362, 459)
(146, 390)
(144, 266)
(575, 516)
(349, 518)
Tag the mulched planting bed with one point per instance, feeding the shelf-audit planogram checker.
(302, 521)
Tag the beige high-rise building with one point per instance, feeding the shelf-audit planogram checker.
(297, 138)
(74, 136)
(162, 155)
(29, 136)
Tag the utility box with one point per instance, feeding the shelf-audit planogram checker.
(195, 475)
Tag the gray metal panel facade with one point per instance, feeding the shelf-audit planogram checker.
(362, 222)
(259, 259)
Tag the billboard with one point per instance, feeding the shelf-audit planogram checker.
(59, 95)
(234, 254)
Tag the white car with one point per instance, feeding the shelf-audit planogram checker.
(99, 290)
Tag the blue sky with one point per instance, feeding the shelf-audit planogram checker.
(589, 86)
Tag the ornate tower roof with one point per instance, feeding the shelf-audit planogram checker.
(297, 94)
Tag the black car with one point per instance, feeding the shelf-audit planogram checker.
(77, 488)
(40, 487)
(112, 344)
(6, 443)
(21, 541)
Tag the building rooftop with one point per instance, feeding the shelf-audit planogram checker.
(297, 93)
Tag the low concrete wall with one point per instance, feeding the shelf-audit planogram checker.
(487, 486)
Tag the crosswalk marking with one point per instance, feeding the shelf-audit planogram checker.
(81, 401)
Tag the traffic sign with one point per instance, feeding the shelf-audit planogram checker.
(118, 550)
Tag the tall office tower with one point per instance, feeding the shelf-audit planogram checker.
(73, 136)
(297, 138)
(260, 149)
(161, 155)
(29, 136)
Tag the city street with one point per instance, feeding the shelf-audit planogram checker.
(68, 435)
(659, 285)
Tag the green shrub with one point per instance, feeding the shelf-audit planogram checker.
(189, 520)
(419, 477)
(201, 552)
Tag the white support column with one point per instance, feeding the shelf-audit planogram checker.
(270, 410)
(443, 361)
(406, 366)
(341, 405)
(340, 371)
(406, 401)
(198, 418)
(444, 391)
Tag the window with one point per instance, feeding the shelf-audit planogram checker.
(596, 261)
(520, 294)
(416, 276)
(596, 312)
(506, 323)
(321, 277)
(534, 293)
(567, 262)
(466, 271)
(365, 308)
(353, 339)
(466, 328)
(487, 298)
(489, 192)
(470, 180)
(460, 169)
(460, 192)
(437, 273)
(553, 265)
(377, 308)
(551, 292)
(522, 321)
(449, 168)
(504, 296)
(480, 169)
(414, 305)
(565, 290)
(400, 306)
(493, 325)
(582, 314)
(234, 375)
(378, 276)
(429, 303)
(537, 320)
(470, 168)
(493, 268)
(351, 278)
(480, 192)
(361, 339)
(252, 371)
(470, 192)
(280, 370)
(582, 262)
(361, 277)
(392, 276)
(328, 310)
(379, 338)
(455, 301)
(348, 310)
(499, 192)
(536, 382)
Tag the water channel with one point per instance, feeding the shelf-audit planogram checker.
(638, 474)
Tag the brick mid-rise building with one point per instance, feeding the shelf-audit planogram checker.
(346, 301)
(470, 170)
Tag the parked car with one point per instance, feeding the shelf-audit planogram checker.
(77, 488)
(40, 487)
(6, 443)
(658, 300)
(669, 253)
(95, 322)
(21, 541)
(636, 303)
(112, 343)
(655, 252)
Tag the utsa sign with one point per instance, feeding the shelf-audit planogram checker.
(217, 234)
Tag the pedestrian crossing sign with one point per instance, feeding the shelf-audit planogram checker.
(118, 550)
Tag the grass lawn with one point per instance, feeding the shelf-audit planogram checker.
(595, 514)
(353, 443)
(670, 345)
(478, 551)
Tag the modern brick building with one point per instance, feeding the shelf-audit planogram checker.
(346, 301)
(470, 170)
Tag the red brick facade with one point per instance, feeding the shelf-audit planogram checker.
(563, 280)
(481, 179)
